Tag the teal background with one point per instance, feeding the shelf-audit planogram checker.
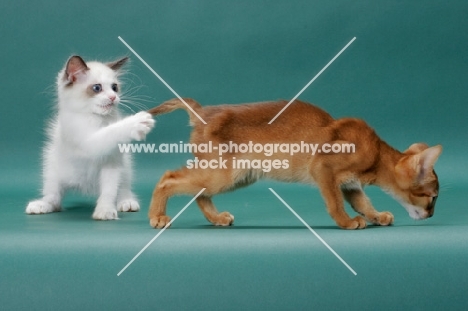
(405, 75)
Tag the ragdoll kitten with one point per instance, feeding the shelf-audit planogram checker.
(408, 176)
(82, 150)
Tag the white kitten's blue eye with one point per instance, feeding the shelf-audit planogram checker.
(115, 87)
(97, 88)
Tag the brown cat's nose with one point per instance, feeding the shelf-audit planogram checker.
(430, 213)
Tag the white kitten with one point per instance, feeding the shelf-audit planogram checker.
(82, 149)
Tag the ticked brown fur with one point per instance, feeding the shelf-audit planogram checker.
(409, 176)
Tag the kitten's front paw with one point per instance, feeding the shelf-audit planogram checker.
(357, 222)
(160, 222)
(224, 219)
(128, 205)
(105, 212)
(41, 207)
(143, 122)
(385, 218)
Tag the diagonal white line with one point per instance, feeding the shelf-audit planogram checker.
(313, 79)
(313, 231)
(160, 232)
(161, 79)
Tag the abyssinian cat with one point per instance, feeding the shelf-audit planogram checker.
(408, 176)
(82, 151)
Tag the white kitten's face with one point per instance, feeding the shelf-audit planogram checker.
(102, 89)
(91, 87)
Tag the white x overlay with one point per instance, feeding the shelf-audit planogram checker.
(161, 232)
(161, 79)
(313, 231)
(313, 79)
(201, 191)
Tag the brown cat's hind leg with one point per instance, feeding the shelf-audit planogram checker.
(171, 183)
(211, 214)
(190, 182)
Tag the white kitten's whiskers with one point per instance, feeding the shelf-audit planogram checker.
(128, 107)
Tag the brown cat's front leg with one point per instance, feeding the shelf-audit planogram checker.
(334, 201)
(361, 204)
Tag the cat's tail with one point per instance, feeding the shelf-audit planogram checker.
(192, 107)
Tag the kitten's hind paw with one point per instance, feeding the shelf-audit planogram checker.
(105, 212)
(129, 205)
(160, 222)
(41, 207)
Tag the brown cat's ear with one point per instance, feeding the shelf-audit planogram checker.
(415, 168)
(428, 158)
(75, 67)
(116, 65)
(416, 148)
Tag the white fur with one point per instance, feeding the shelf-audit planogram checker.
(82, 149)
(414, 211)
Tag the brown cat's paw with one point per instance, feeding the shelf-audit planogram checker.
(357, 222)
(160, 222)
(224, 219)
(385, 219)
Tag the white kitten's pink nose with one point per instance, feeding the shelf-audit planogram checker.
(112, 98)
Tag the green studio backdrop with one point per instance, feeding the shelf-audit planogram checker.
(405, 74)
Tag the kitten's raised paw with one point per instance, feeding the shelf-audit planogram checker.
(105, 212)
(143, 123)
(160, 222)
(357, 222)
(41, 207)
(129, 205)
(224, 219)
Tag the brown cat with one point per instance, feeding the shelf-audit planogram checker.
(409, 176)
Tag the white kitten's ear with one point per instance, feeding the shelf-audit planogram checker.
(75, 68)
(116, 65)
